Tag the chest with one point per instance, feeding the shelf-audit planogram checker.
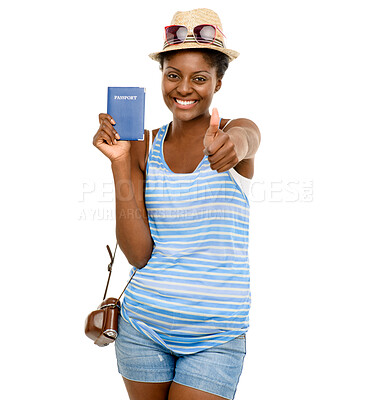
(183, 159)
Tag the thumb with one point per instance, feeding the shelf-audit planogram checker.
(213, 128)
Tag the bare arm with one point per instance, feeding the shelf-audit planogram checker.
(127, 164)
(132, 227)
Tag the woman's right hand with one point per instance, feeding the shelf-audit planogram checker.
(106, 140)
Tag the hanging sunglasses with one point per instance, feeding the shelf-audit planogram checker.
(202, 34)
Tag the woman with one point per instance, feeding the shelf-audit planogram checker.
(182, 221)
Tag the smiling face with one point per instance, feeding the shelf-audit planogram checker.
(188, 84)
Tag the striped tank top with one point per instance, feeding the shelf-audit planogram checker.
(194, 292)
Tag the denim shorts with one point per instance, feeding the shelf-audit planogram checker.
(215, 370)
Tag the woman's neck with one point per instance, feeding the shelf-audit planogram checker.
(189, 131)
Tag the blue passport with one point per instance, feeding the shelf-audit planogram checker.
(127, 107)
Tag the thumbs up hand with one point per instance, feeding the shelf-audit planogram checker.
(218, 146)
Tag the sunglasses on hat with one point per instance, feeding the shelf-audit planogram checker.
(203, 34)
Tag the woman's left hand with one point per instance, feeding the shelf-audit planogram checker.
(221, 150)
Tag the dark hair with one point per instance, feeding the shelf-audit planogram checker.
(214, 58)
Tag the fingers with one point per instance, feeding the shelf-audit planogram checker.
(103, 116)
(213, 128)
(110, 130)
(225, 164)
(106, 132)
(214, 121)
(225, 156)
(219, 141)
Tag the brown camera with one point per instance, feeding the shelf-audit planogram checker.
(102, 324)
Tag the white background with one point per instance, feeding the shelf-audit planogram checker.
(315, 77)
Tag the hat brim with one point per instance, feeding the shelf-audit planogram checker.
(232, 54)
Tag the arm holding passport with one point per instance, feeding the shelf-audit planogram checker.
(132, 227)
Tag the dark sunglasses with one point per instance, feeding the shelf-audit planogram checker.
(203, 34)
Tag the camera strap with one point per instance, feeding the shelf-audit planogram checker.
(110, 268)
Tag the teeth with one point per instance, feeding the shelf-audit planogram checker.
(185, 103)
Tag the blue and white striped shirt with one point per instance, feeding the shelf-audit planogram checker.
(194, 292)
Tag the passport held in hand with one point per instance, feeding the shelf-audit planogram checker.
(127, 107)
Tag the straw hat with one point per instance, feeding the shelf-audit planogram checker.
(190, 19)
